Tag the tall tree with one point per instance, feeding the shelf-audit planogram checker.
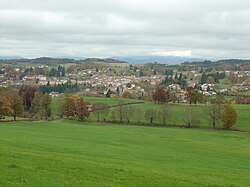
(46, 105)
(203, 78)
(193, 96)
(214, 113)
(16, 103)
(159, 95)
(191, 118)
(82, 109)
(165, 113)
(27, 92)
(69, 106)
(5, 107)
(228, 117)
(36, 110)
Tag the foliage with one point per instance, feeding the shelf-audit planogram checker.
(159, 95)
(203, 78)
(41, 106)
(60, 88)
(69, 106)
(82, 109)
(228, 117)
(5, 107)
(16, 103)
(127, 95)
(75, 106)
(27, 92)
(59, 72)
(193, 96)
(242, 99)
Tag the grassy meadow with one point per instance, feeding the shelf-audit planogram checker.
(243, 111)
(66, 153)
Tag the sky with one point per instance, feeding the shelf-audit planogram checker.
(105, 28)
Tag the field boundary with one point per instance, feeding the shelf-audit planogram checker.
(117, 105)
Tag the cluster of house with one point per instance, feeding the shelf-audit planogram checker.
(120, 84)
(101, 82)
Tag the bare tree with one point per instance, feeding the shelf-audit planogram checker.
(121, 111)
(100, 110)
(165, 113)
(190, 117)
(214, 113)
(131, 113)
(150, 115)
(113, 116)
(104, 112)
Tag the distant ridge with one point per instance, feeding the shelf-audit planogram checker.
(159, 59)
(10, 57)
(106, 60)
(51, 61)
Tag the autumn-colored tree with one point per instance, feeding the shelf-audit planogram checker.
(127, 95)
(5, 107)
(46, 105)
(36, 110)
(27, 92)
(210, 80)
(159, 95)
(228, 117)
(75, 106)
(16, 103)
(82, 109)
(69, 106)
(193, 96)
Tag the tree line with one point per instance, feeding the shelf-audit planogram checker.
(60, 88)
(216, 112)
(26, 102)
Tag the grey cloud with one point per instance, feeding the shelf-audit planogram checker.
(103, 28)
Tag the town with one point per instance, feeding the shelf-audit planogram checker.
(96, 77)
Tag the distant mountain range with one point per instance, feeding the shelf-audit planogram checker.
(119, 59)
(159, 59)
(10, 57)
(129, 59)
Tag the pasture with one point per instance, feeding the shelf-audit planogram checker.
(66, 153)
(178, 111)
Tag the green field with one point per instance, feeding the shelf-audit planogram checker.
(93, 100)
(243, 111)
(71, 154)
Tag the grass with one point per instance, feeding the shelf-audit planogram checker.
(243, 111)
(71, 154)
(57, 101)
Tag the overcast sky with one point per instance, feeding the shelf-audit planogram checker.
(103, 28)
